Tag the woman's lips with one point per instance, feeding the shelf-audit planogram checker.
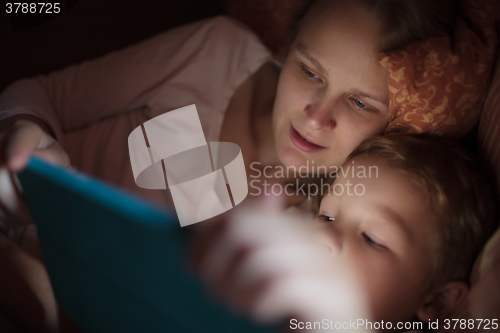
(300, 142)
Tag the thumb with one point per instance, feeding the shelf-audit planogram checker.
(24, 139)
(53, 154)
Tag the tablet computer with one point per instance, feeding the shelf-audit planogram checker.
(117, 263)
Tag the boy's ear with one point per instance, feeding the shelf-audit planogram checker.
(443, 301)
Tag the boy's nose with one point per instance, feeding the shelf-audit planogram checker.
(330, 241)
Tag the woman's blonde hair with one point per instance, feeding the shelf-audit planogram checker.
(404, 21)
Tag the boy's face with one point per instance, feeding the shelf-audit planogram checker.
(386, 234)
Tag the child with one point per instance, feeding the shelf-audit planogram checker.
(408, 233)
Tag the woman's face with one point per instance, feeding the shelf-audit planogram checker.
(332, 92)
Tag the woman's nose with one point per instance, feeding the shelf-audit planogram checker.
(320, 115)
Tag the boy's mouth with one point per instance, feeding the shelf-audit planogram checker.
(302, 143)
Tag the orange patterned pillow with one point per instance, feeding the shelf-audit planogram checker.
(439, 85)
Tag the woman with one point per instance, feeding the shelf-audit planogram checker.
(330, 94)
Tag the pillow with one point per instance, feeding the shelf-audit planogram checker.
(439, 85)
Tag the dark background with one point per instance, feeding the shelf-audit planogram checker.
(87, 29)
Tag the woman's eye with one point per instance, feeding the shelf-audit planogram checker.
(310, 75)
(326, 218)
(373, 242)
(361, 106)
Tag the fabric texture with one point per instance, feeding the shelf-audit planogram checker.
(92, 107)
(488, 141)
(484, 298)
(272, 20)
(439, 85)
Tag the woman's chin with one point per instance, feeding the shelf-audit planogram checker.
(302, 163)
(293, 159)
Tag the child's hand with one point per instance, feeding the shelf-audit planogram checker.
(272, 267)
(19, 139)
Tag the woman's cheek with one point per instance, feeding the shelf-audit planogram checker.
(362, 127)
(290, 90)
(290, 100)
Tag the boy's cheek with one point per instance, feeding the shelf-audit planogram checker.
(384, 288)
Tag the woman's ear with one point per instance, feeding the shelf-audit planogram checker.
(443, 301)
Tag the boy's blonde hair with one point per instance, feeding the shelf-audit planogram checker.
(458, 195)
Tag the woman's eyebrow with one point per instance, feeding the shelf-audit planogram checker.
(303, 51)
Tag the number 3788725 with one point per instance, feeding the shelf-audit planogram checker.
(33, 8)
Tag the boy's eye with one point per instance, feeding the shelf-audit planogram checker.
(326, 218)
(359, 104)
(373, 242)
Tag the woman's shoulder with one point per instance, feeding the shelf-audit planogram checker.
(224, 21)
(229, 33)
(219, 39)
(221, 26)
